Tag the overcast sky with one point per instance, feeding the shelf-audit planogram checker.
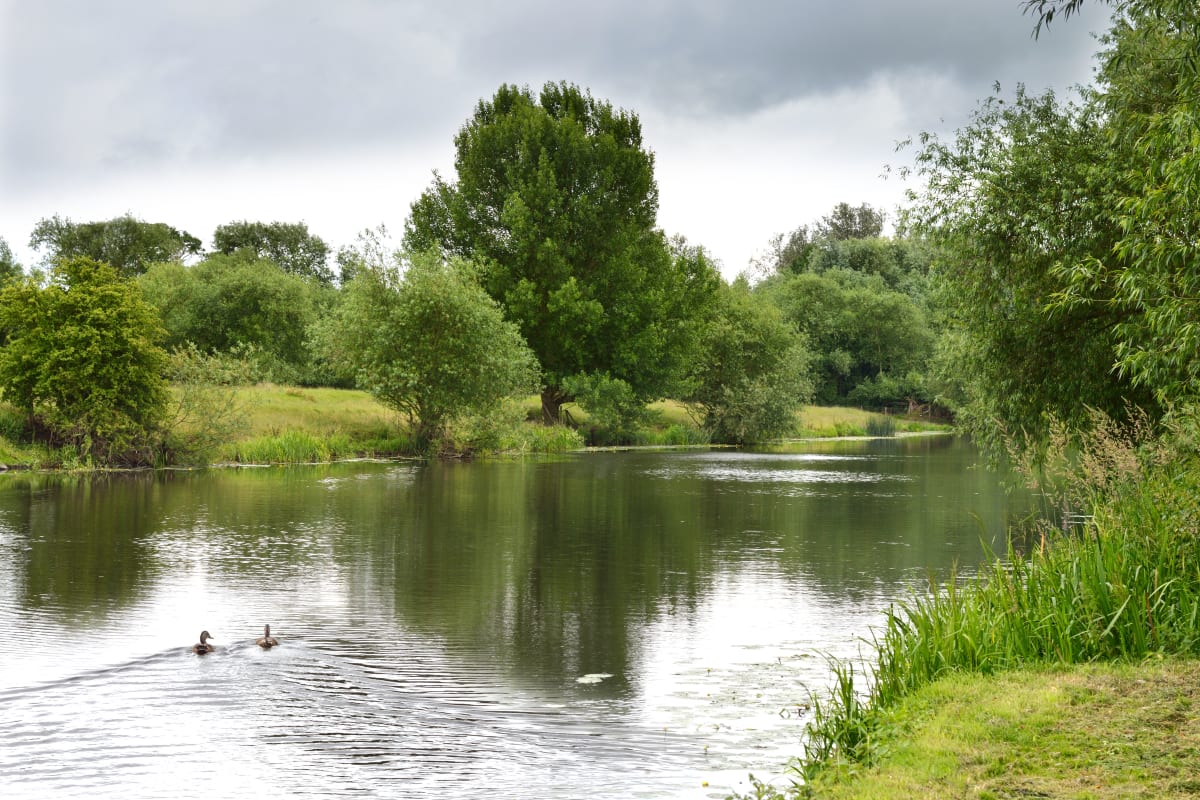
(761, 115)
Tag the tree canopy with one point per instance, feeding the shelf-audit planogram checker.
(424, 338)
(1067, 235)
(1148, 279)
(555, 200)
(861, 302)
(10, 270)
(83, 357)
(238, 302)
(850, 222)
(870, 344)
(752, 373)
(288, 244)
(127, 243)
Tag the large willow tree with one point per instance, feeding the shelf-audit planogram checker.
(1069, 262)
(1150, 99)
(555, 198)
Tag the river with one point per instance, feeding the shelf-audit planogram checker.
(600, 625)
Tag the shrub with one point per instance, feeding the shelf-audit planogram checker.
(82, 356)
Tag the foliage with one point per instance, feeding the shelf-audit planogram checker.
(239, 302)
(555, 200)
(83, 357)
(862, 303)
(288, 244)
(870, 343)
(10, 270)
(902, 264)
(1020, 190)
(208, 411)
(785, 254)
(615, 412)
(424, 338)
(1148, 278)
(850, 222)
(127, 243)
(841, 227)
(1080, 223)
(753, 372)
(504, 430)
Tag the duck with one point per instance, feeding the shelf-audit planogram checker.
(266, 640)
(204, 646)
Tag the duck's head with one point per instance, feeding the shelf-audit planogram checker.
(266, 631)
(205, 636)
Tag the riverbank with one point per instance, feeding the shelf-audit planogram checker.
(362, 419)
(1103, 730)
(271, 424)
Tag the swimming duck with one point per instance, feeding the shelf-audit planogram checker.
(204, 646)
(266, 640)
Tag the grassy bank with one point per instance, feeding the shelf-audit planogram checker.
(268, 423)
(1119, 590)
(828, 421)
(1102, 730)
(296, 424)
(670, 423)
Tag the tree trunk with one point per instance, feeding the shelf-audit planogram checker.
(552, 402)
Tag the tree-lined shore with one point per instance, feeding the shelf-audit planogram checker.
(538, 267)
(1041, 287)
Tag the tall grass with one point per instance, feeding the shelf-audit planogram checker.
(1123, 586)
(881, 425)
(831, 421)
(534, 438)
(291, 447)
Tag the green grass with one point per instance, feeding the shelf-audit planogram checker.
(817, 422)
(23, 455)
(287, 424)
(273, 409)
(1105, 730)
(674, 425)
(291, 447)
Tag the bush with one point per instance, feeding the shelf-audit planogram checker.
(425, 339)
(613, 409)
(207, 410)
(14, 425)
(82, 356)
(753, 374)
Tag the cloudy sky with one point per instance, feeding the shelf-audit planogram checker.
(761, 115)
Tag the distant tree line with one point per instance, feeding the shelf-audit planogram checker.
(537, 268)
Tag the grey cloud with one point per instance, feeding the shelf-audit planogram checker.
(736, 57)
(101, 86)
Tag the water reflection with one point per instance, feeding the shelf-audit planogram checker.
(436, 620)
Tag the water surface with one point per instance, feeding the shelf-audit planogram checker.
(606, 625)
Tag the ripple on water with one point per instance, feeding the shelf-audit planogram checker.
(310, 719)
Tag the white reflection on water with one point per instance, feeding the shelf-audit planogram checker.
(734, 675)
